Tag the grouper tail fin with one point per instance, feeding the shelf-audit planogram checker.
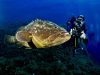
(8, 39)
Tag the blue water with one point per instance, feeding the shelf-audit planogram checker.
(14, 13)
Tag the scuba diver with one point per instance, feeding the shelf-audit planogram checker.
(76, 27)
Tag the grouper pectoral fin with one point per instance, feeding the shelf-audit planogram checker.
(37, 42)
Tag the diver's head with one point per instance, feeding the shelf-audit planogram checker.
(81, 18)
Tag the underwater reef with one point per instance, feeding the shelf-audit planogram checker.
(45, 61)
